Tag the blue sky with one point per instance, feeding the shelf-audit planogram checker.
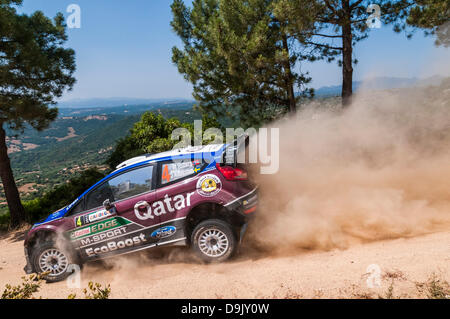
(123, 49)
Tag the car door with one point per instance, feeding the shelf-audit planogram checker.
(99, 233)
(176, 185)
(134, 192)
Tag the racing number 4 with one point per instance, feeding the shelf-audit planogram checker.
(165, 175)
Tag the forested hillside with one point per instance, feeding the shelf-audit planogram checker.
(78, 140)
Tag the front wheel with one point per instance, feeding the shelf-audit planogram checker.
(213, 240)
(50, 259)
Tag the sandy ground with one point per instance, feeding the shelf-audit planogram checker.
(305, 274)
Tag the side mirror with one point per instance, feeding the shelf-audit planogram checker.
(107, 204)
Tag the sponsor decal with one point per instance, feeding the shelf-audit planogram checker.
(164, 232)
(175, 171)
(80, 233)
(197, 166)
(209, 185)
(98, 215)
(127, 238)
(99, 227)
(92, 217)
(116, 245)
(102, 236)
(72, 204)
(143, 210)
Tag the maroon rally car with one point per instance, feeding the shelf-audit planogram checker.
(192, 196)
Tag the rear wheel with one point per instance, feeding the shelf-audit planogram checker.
(54, 261)
(213, 240)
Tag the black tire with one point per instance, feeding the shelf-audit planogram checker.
(221, 249)
(63, 254)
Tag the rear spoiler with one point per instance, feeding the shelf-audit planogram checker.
(230, 156)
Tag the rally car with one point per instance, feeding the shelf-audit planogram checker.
(192, 196)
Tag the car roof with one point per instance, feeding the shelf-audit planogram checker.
(210, 148)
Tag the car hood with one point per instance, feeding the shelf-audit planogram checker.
(53, 216)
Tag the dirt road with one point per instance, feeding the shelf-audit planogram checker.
(307, 274)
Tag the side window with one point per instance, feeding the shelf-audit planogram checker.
(78, 208)
(174, 171)
(98, 196)
(132, 183)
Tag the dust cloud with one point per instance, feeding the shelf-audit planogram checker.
(377, 170)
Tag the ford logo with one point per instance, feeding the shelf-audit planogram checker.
(164, 232)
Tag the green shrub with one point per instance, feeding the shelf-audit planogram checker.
(435, 287)
(96, 291)
(61, 196)
(25, 290)
(152, 134)
(4, 221)
(32, 283)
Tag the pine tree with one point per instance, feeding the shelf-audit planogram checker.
(433, 16)
(240, 58)
(35, 69)
(333, 27)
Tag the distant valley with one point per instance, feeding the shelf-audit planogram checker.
(79, 139)
(380, 83)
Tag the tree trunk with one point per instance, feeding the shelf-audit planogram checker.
(347, 53)
(9, 185)
(290, 80)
